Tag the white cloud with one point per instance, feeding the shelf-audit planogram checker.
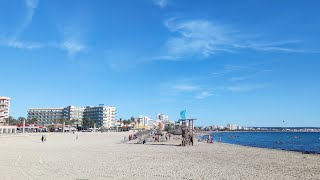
(203, 95)
(161, 3)
(201, 37)
(24, 45)
(73, 47)
(196, 37)
(246, 87)
(31, 5)
(185, 87)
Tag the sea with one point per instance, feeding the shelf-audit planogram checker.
(305, 142)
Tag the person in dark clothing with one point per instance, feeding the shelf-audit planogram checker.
(42, 138)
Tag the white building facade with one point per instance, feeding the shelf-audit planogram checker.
(162, 117)
(74, 113)
(145, 121)
(232, 126)
(4, 109)
(103, 116)
(46, 116)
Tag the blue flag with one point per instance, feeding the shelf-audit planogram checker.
(183, 114)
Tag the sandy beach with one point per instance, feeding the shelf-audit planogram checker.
(106, 156)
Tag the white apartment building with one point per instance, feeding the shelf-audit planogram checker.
(103, 116)
(162, 117)
(4, 109)
(145, 120)
(74, 113)
(46, 116)
(232, 126)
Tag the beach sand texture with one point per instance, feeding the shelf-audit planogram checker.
(106, 156)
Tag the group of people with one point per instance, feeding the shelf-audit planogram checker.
(132, 137)
(209, 139)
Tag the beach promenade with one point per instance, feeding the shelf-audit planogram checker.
(106, 156)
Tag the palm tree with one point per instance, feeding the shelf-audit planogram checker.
(33, 120)
(21, 119)
(72, 121)
(138, 122)
(11, 120)
(62, 120)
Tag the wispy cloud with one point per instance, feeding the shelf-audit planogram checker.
(31, 5)
(24, 45)
(233, 78)
(185, 87)
(246, 87)
(203, 95)
(73, 47)
(161, 3)
(201, 37)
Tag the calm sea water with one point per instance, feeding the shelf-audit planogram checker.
(307, 142)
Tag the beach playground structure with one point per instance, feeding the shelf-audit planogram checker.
(185, 128)
(187, 131)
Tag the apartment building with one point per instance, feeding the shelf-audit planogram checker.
(4, 109)
(103, 116)
(145, 122)
(232, 126)
(74, 113)
(46, 116)
(162, 117)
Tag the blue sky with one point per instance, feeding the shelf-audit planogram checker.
(252, 63)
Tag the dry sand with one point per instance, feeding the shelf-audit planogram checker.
(105, 156)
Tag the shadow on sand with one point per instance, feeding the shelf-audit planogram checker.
(161, 144)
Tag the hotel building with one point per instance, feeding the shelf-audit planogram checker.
(145, 122)
(46, 116)
(4, 109)
(103, 116)
(232, 126)
(74, 113)
(162, 117)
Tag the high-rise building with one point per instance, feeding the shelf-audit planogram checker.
(232, 126)
(4, 109)
(103, 116)
(143, 122)
(162, 117)
(74, 113)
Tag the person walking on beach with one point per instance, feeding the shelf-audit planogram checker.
(42, 138)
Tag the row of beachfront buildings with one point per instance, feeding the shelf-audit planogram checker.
(103, 116)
